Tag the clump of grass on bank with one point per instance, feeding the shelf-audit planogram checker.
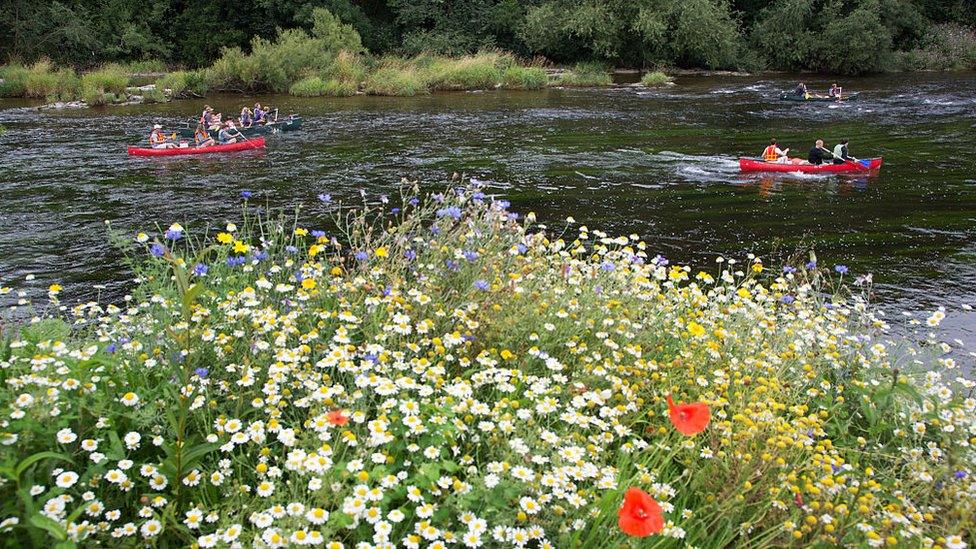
(42, 80)
(469, 72)
(148, 66)
(446, 363)
(315, 87)
(656, 79)
(105, 85)
(184, 84)
(396, 78)
(585, 75)
(524, 78)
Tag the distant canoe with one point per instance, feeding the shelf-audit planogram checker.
(801, 99)
(852, 166)
(284, 125)
(257, 143)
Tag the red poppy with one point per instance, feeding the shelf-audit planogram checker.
(640, 515)
(689, 419)
(337, 418)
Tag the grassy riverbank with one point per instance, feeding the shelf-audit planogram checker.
(440, 370)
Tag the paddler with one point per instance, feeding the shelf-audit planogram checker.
(259, 114)
(247, 118)
(158, 140)
(773, 153)
(201, 138)
(841, 154)
(229, 134)
(835, 91)
(801, 91)
(207, 118)
(818, 154)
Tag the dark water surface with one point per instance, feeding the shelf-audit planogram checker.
(658, 163)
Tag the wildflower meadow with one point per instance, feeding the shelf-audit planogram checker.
(438, 371)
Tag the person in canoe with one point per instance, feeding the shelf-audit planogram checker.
(773, 153)
(247, 118)
(801, 91)
(229, 134)
(260, 115)
(818, 154)
(835, 92)
(842, 154)
(209, 119)
(201, 138)
(158, 140)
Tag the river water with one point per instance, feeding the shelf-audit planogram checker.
(660, 163)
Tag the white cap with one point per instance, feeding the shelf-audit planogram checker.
(157, 127)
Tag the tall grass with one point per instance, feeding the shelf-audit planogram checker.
(396, 78)
(469, 72)
(105, 85)
(316, 86)
(183, 84)
(585, 75)
(14, 78)
(524, 78)
(42, 80)
(655, 79)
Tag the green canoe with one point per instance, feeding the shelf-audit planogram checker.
(282, 125)
(801, 99)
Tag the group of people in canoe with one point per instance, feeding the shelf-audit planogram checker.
(834, 92)
(226, 130)
(818, 154)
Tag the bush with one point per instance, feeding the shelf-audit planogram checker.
(348, 67)
(145, 67)
(315, 87)
(42, 81)
(293, 55)
(655, 79)
(586, 75)
(110, 78)
(524, 78)
(471, 72)
(396, 79)
(183, 84)
(154, 96)
(14, 80)
(945, 47)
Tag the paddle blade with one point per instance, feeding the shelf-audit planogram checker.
(866, 163)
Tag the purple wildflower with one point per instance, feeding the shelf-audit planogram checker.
(157, 250)
(842, 269)
(202, 372)
(200, 269)
(481, 284)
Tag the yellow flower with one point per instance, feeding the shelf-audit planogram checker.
(308, 283)
(240, 247)
(224, 238)
(54, 288)
(381, 252)
(696, 329)
(301, 232)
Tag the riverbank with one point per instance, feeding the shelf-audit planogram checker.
(439, 368)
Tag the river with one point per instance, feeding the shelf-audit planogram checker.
(660, 163)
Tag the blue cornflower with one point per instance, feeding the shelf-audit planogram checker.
(291, 249)
(439, 197)
(235, 260)
(470, 255)
(111, 348)
(842, 269)
(410, 255)
(318, 234)
(394, 210)
(361, 256)
(246, 194)
(787, 269)
(157, 250)
(414, 201)
(522, 248)
(174, 234)
(787, 299)
(260, 255)
(452, 265)
(435, 229)
(200, 269)
(325, 198)
(450, 211)
(812, 265)
(607, 266)
(202, 372)
(387, 291)
(960, 474)
(504, 204)
(478, 196)
(660, 261)
(481, 284)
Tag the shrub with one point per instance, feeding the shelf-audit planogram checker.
(586, 75)
(155, 95)
(110, 78)
(471, 72)
(145, 67)
(945, 47)
(340, 88)
(42, 81)
(655, 79)
(348, 67)
(183, 84)
(309, 87)
(396, 79)
(14, 80)
(524, 78)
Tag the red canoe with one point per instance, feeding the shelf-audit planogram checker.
(257, 143)
(759, 165)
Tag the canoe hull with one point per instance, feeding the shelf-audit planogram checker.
(231, 147)
(801, 99)
(758, 165)
(284, 125)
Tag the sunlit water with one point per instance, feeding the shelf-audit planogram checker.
(658, 163)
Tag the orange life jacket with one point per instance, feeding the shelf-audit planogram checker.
(769, 154)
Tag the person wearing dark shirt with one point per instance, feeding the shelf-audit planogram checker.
(800, 90)
(818, 154)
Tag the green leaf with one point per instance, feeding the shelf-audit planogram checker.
(49, 525)
(194, 454)
(31, 460)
